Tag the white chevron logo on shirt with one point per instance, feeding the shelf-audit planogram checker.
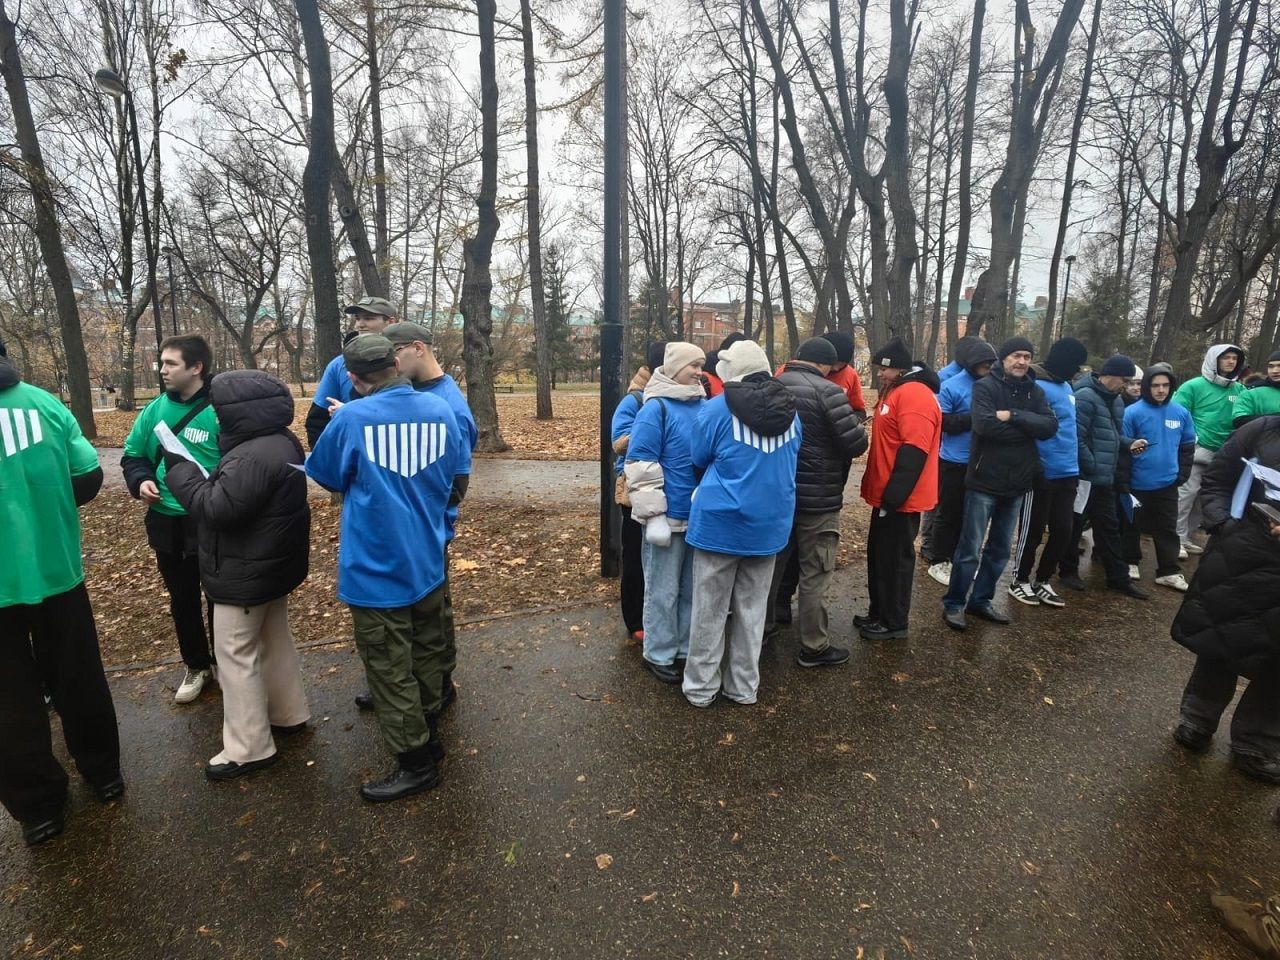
(19, 429)
(405, 448)
(744, 434)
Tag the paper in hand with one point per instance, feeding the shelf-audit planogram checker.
(171, 444)
(1270, 479)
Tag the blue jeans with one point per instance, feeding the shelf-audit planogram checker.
(668, 599)
(981, 510)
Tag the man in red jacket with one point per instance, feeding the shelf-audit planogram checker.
(900, 483)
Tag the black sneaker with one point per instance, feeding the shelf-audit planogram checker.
(832, 656)
(111, 790)
(666, 672)
(364, 701)
(1072, 582)
(41, 831)
(1264, 769)
(1129, 590)
(875, 630)
(860, 622)
(402, 782)
(1197, 741)
(230, 770)
(1024, 593)
(450, 692)
(290, 731)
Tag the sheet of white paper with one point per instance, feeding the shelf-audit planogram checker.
(1082, 496)
(302, 467)
(1269, 477)
(171, 444)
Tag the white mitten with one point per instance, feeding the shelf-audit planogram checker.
(657, 531)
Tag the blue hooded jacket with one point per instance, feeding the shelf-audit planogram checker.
(747, 440)
(393, 457)
(1060, 454)
(1170, 433)
(661, 434)
(956, 398)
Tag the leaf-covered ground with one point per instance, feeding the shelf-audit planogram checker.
(572, 435)
(505, 559)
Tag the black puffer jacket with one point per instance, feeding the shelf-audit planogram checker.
(1232, 611)
(1003, 458)
(255, 525)
(832, 437)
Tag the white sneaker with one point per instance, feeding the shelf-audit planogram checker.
(941, 572)
(1182, 552)
(1175, 581)
(1023, 593)
(191, 685)
(1048, 595)
(1192, 548)
(1134, 572)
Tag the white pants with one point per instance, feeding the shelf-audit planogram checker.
(260, 677)
(1189, 495)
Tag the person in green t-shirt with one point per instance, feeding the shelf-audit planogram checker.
(48, 641)
(184, 406)
(1211, 400)
(1263, 398)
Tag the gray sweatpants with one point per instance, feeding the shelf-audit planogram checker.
(724, 583)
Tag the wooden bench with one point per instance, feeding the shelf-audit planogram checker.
(503, 388)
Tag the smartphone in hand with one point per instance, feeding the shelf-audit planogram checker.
(1266, 513)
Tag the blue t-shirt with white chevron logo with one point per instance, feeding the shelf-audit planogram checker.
(747, 497)
(393, 457)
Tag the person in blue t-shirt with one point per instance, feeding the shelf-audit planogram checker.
(631, 581)
(976, 357)
(368, 315)
(660, 480)
(393, 456)
(1161, 466)
(747, 441)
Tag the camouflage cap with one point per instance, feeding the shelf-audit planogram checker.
(379, 305)
(406, 332)
(369, 353)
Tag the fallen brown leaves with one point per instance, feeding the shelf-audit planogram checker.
(506, 558)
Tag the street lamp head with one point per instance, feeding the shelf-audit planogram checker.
(110, 83)
(1071, 258)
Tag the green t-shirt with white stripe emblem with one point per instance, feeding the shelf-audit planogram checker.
(200, 437)
(41, 449)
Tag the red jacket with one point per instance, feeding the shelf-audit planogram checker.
(907, 414)
(714, 384)
(847, 380)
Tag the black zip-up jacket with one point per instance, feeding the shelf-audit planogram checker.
(1003, 458)
(832, 437)
(255, 524)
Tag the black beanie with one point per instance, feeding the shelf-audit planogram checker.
(1013, 345)
(1271, 359)
(843, 343)
(731, 339)
(713, 359)
(893, 354)
(1118, 366)
(818, 350)
(1066, 357)
(655, 354)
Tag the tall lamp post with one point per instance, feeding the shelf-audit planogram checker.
(173, 294)
(1066, 289)
(614, 295)
(113, 85)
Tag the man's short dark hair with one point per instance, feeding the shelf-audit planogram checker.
(193, 348)
(376, 378)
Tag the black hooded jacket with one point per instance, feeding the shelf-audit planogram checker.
(832, 437)
(1232, 611)
(255, 524)
(762, 403)
(1003, 459)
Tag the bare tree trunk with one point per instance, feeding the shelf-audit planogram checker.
(47, 229)
(1034, 95)
(381, 242)
(477, 283)
(321, 158)
(542, 345)
(779, 246)
(1266, 341)
(965, 214)
(1064, 217)
(349, 211)
(897, 161)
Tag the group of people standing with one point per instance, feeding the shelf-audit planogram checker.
(224, 481)
(993, 452)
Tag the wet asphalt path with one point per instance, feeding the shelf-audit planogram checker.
(1003, 793)
(549, 481)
